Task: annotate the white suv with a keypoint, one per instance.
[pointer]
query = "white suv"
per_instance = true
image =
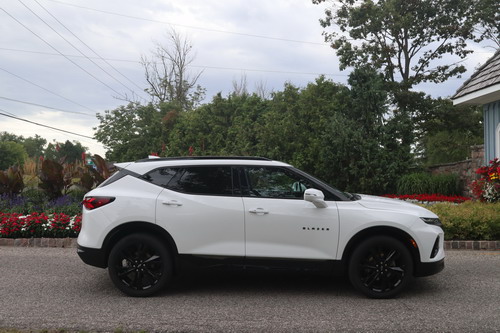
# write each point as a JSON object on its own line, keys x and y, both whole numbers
{"x": 151, "y": 217}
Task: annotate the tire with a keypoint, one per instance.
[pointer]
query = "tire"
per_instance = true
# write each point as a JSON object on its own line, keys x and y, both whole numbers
{"x": 381, "y": 267}
{"x": 140, "y": 265}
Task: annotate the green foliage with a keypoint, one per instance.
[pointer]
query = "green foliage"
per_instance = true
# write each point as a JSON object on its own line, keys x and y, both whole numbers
{"x": 425, "y": 183}
{"x": 446, "y": 132}
{"x": 447, "y": 147}
{"x": 34, "y": 146}
{"x": 11, "y": 153}
{"x": 11, "y": 181}
{"x": 67, "y": 152}
{"x": 404, "y": 39}
{"x": 6, "y": 136}
{"x": 134, "y": 131}
{"x": 470, "y": 220}
{"x": 488, "y": 16}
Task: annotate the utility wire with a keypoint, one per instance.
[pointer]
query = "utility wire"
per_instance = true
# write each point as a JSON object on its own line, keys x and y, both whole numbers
{"x": 196, "y": 66}
{"x": 38, "y": 124}
{"x": 190, "y": 26}
{"x": 90, "y": 48}
{"x": 77, "y": 49}
{"x": 45, "y": 106}
{"x": 74, "y": 63}
{"x": 47, "y": 90}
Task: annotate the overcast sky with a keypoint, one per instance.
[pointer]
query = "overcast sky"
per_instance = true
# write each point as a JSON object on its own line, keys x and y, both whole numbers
{"x": 271, "y": 42}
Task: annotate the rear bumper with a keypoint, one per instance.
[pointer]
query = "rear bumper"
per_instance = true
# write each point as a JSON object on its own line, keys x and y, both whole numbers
{"x": 429, "y": 268}
{"x": 93, "y": 257}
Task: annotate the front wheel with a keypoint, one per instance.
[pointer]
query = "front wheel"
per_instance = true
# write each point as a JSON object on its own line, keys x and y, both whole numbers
{"x": 140, "y": 265}
{"x": 381, "y": 267}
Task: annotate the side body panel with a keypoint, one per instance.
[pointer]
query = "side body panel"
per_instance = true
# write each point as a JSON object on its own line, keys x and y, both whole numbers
{"x": 135, "y": 201}
{"x": 356, "y": 218}
{"x": 203, "y": 224}
{"x": 290, "y": 229}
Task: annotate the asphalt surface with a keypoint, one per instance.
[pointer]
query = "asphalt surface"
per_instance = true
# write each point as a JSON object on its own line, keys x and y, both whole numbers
{"x": 50, "y": 288}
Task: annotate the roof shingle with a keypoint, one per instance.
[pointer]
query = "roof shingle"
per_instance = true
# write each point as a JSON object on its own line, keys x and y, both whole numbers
{"x": 487, "y": 75}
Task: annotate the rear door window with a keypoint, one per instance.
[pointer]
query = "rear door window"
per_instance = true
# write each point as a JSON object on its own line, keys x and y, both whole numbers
{"x": 205, "y": 180}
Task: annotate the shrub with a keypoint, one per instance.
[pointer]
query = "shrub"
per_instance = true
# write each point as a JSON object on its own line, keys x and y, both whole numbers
{"x": 52, "y": 178}
{"x": 422, "y": 183}
{"x": 11, "y": 153}
{"x": 11, "y": 181}
{"x": 469, "y": 220}
{"x": 487, "y": 188}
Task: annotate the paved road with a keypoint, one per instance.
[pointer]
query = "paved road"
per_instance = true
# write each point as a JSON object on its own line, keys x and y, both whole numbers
{"x": 50, "y": 288}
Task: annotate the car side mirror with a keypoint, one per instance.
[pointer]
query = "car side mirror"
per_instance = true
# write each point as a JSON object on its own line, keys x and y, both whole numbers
{"x": 316, "y": 197}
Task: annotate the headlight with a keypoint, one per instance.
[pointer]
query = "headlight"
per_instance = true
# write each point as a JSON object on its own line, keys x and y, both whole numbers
{"x": 432, "y": 220}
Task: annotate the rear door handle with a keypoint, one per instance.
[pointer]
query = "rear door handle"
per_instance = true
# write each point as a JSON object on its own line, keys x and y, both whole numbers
{"x": 172, "y": 203}
{"x": 259, "y": 211}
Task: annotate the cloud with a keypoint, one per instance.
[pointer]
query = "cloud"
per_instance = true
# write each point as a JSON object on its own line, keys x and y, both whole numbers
{"x": 225, "y": 56}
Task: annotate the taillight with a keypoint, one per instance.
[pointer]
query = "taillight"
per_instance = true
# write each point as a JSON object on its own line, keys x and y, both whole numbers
{"x": 96, "y": 202}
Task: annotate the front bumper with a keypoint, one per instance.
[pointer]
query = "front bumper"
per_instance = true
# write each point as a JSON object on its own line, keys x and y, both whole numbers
{"x": 429, "y": 268}
{"x": 93, "y": 257}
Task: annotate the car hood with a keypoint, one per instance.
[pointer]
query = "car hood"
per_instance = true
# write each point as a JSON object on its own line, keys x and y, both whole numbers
{"x": 381, "y": 203}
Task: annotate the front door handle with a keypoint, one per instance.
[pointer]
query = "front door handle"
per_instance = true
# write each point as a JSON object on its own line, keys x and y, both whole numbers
{"x": 172, "y": 203}
{"x": 259, "y": 211}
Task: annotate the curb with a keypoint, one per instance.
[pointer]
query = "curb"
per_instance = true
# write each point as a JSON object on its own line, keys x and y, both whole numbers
{"x": 472, "y": 245}
{"x": 71, "y": 243}
{"x": 39, "y": 242}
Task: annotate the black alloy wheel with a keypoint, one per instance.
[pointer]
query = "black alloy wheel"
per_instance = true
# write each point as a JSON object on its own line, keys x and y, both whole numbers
{"x": 381, "y": 267}
{"x": 140, "y": 265}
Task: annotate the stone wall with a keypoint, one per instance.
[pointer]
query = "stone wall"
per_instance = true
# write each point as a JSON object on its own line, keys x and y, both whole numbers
{"x": 466, "y": 170}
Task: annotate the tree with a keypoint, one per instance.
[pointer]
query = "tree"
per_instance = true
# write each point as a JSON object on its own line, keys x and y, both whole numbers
{"x": 488, "y": 18}
{"x": 34, "y": 145}
{"x": 445, "y": 132}
{"x": 68, "y": 152}
{"x": 405, "y": 39}
{"x": 11, "y": 153}
{"x": 361, "y": 145}
{"x": 134, "y": 131}
{"x": 168, "y": 75}
{"x": 6, "y": 136}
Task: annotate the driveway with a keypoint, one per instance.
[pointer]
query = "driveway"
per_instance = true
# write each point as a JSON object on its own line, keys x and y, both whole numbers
{"x": 50, "y": 288}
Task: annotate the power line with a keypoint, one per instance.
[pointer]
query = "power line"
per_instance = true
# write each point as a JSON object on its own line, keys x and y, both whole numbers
{"x": 45, "y": 106}
{"x": 196, "y": 66}
{"x": 52, "y": 47}
{"x": 190, "y": 26}
{"x": 76, "y": 48}
{"x": 90, "y": 48}
{"x": 38, "y": 124}
{"x": 50, "y": 91}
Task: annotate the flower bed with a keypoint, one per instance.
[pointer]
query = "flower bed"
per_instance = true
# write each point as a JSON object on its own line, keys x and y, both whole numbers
{"x": 56, "y": 225}
{"x": 487, "y": 187}
{"x": 426, "y": 198}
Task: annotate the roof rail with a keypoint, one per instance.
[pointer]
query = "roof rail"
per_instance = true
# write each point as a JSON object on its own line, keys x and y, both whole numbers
{"x": 255, "y": 158}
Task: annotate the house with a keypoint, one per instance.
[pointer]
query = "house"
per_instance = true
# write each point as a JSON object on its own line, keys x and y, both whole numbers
{"x": 483, "y": 88}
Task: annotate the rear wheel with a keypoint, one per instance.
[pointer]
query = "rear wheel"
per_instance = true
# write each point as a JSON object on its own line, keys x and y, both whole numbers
{"x": 381, "y": 267}
{"x": 140, "y": 265}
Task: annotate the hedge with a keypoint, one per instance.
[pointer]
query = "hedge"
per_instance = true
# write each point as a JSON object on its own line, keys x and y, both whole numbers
{"x": 471, "y": 220}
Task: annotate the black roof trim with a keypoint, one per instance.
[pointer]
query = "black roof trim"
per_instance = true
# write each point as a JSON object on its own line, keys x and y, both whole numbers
{"x": 255, "y": 158}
